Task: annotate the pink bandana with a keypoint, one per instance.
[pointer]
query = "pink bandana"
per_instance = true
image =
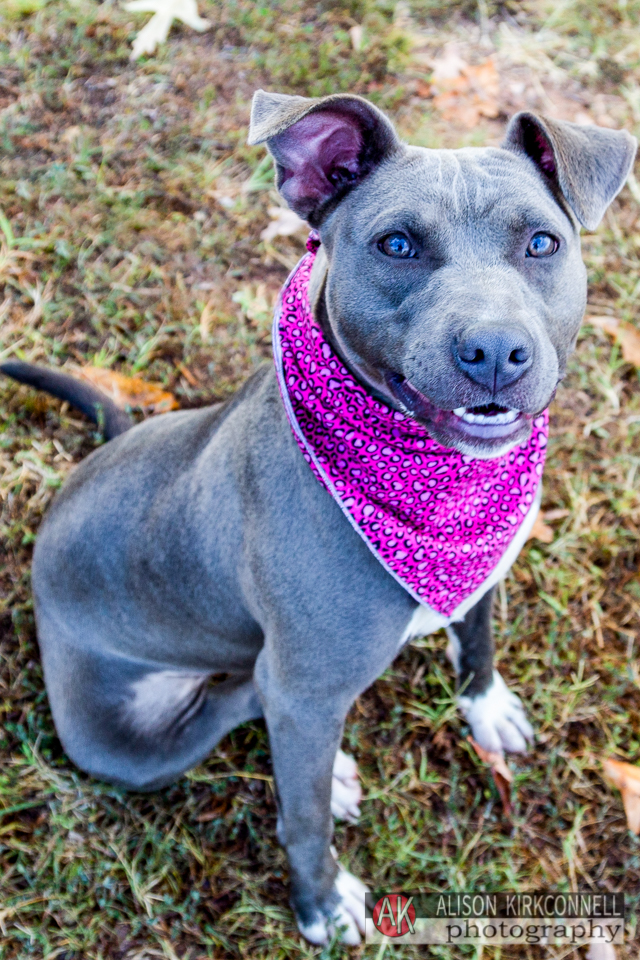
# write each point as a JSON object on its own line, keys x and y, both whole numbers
{"x": 437, "y": 520}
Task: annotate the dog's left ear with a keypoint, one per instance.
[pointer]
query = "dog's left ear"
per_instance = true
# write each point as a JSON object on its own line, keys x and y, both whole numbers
{"x": 322, "y": 147}
{"x": 586, "y": 166}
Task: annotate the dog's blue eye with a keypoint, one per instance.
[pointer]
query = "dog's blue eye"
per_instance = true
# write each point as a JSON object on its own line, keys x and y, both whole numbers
{"x": 542, "y": 245}
{"x": 397, "y": 245}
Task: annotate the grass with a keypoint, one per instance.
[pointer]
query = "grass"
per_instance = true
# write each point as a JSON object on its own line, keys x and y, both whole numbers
{"x": 130, "y": 227}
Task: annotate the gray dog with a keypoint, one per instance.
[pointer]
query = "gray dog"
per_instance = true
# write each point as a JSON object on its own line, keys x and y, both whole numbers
{"x": 451, "y": 284}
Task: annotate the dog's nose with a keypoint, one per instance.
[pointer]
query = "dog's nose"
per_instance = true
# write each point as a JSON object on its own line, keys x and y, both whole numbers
{"x": 494, "y": 357}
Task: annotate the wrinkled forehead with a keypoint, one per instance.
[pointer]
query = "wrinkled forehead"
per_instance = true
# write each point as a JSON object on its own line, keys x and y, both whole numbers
{"x": 472, "y": 184}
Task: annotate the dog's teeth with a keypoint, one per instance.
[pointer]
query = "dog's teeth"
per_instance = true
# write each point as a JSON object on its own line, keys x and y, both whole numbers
{"x": 507, "y": 417}
{"x": 497, "y": 419}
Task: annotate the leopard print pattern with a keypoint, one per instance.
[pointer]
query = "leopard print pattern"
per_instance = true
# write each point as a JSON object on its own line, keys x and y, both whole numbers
{"x": 438, "y": 520}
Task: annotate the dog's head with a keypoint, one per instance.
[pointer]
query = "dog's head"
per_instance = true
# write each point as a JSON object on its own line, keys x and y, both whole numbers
{"x": 450, "y": 281}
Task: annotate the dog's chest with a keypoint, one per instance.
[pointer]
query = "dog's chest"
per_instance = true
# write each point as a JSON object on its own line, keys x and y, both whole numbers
{"x": 425, "y": 620}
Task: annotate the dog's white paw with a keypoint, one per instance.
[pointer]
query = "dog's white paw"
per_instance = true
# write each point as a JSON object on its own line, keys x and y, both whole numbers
{"x": 348, "y": 916}
{"x": 346, "y": 792}
{"x": 497, "y": 718}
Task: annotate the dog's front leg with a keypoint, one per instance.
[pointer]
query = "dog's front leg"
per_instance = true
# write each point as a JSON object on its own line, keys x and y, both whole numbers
{"x": 496, "y": 716}
{"x": 305, "y": 728}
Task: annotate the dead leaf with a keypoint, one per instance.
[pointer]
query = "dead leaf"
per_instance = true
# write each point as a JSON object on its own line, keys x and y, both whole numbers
{"x": 186, "y": 373}
{"x": 356, "y": 33}
{"x": 502, "y": 775}
{"x": 216, "y": 812}
{"x": 601, "y": 951}
{"x": 442, "y": 738}
{"x": 70, "y": 134}
{"x": 625, "y": 334}
{"x": 464, "y": 92}
{"x": 626, "y": 777}
{"x": 558, "y": 514}
{"x": 205, "y": 320}
{"x": 284, "y": 223}
{"x": 485, "y": 81}
{"x": 130, "y": 391}
{"x": 449, "y": 66}
{"x": 540, "y": 530}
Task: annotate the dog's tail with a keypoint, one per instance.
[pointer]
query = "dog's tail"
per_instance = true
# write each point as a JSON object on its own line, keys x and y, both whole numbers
{"x": 92, "y": 402}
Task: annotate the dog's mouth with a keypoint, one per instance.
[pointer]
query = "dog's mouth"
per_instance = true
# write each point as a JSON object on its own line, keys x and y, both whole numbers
{"x": 488, "y": 426}
{"x": 488, "y": 415}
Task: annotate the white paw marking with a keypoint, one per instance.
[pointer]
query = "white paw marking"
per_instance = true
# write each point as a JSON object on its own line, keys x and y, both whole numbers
{"x": 453, "y": 650}
{"x": 348, "y": 915}
{"x": 346, "y": 792}
{"x": 497, "y": 718}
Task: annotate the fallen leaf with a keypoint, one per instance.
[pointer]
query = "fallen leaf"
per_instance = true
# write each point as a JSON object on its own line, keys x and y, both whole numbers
{"x": 130, "y": 391}
{"x": 464, "y": 92}
{"x": 186, "y": 373}
{"x": 157, "y": 29}
{"x": 357, "y": 34}
{"x": 284, "y": 223}
{"x": 601, "y": 951}
{"x": 558, "y": 514}
{"x": 540, "y": 530}
{"x": 442, "y": 738}
{"x": 502, "y": 775}
{"x": 71, "y": 134}
{"x": 626, "y": 777}
{"x": 626, "y": 335}
{"x": 450, "y": 66}
{"x": 205, "y": 320}
{"x": 217, "y": 811}
{"x": 485, "y": 82}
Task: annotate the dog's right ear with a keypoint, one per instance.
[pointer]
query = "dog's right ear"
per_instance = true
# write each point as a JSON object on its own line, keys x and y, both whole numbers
{"x": 322, "y": 147}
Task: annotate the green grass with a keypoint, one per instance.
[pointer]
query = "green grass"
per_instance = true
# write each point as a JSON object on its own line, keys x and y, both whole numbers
{"x": 130, "y": 203}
